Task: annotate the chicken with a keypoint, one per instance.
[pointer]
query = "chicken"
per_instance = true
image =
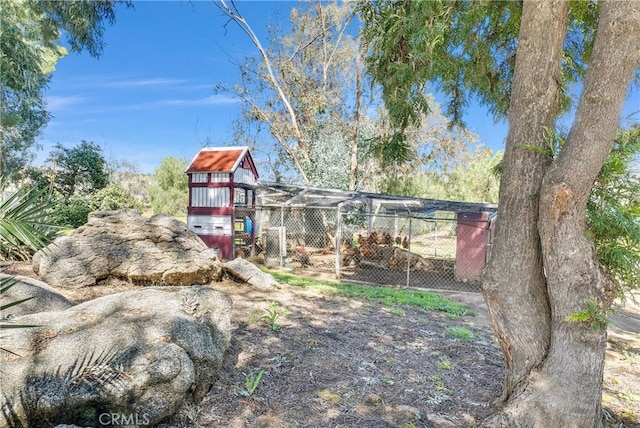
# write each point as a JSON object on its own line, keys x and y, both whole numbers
{"x": 387, "y": 238}
{"x": 405, "y": 242}
{"x": 302, "y": 257}
{"x": 353, "y": 254}
{"x": 398, "y": 240}
{"x": 373, "y": 238}
{"x": 393, "y": 262}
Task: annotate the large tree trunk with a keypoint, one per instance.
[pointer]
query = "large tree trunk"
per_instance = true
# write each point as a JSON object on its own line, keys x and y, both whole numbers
{"x": 514, "y": 284}
{"x": 564, "y": 387}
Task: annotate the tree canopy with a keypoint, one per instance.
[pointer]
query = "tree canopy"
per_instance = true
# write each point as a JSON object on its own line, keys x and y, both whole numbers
{"x": 30, "y": 45}
{"x": 79, "y": 170}
{"x": 306, "y": 90}
{"x": 170, "y": 194}
{"x": 465, "y": 49}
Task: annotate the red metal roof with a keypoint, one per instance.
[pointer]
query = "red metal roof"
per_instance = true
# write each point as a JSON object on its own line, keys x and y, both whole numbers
{"x": 217, "y": 159}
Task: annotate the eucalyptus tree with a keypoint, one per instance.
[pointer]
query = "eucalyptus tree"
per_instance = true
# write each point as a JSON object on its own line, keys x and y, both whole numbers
{"x": 307, "y": 89}
{"x": 545, "y": 288}
{"x": 30, "y": 46}
{"x": 170, "y": 194}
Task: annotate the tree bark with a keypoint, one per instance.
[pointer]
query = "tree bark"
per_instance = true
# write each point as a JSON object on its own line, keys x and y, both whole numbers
{"x": 514, "y": 286}
{"x": 575, "y": 363}
{"x": 353, "y": 149}
{"x": 564, "y": 387}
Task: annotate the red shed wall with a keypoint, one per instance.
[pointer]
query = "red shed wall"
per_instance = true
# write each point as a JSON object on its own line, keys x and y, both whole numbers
{"x": 472, "y": 234}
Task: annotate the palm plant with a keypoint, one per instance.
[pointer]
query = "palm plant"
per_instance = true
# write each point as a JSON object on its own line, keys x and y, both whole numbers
{"x": 25, "y": 223}
{"x": 24, "y": 229}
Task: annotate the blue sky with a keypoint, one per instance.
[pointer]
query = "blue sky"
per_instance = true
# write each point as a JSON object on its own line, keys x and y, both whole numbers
{"x": 151, "y": 93}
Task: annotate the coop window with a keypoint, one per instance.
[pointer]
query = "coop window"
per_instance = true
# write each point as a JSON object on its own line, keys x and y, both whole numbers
{"x": 240, "y": 197}
{"x": 204, "y": 197}
{"x": 219, "y": 177}
{"x": 200, "y": 177}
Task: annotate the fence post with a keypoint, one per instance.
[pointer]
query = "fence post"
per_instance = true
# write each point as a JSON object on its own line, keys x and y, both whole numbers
{"x": 338, "y": 243}
{"x": 409, "y": 256}
{"x": 487, "y": 247}
{"x": 282, "y": 242}
{"x": 435, "y": 239}
{"x": 233, "y": 232}
{"x": 370, "y": 216}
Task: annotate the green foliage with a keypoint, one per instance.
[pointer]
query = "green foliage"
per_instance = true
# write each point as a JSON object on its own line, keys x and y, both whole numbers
{"x": 593, "y": 315}
{"x": 305, "y": 91}
{"x": 115, "y": 197}
{"x": 80, "y": 170}
{"x": 171, "y": 202}
{"x": 171, "y": 174}
{"x": 462, "y": 333}
{"x": 273, "y": 313}
{"x": 169, "y": 195}
{"x": 395, "y": 184}
{"x": 74, "y": 211}
{"x": 251, "y": 381}
{"x": 467, "y": 176}
{"x": 613, "y": 211}
{"x": 472, "y": 179}
{"x": 465, "y": 48}
{"x": 79, "y": 182}
{"x": 29, "y": 49}
{"x": 26, "y": 223}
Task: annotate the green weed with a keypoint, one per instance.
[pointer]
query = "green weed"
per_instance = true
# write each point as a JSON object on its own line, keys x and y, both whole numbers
{"x": 273, "y": 313}
{"x": 462, "y": 333}
{"x": 446, "y": 364}
{"x": 593, "y": 315}
{"x": 252, "y": 381}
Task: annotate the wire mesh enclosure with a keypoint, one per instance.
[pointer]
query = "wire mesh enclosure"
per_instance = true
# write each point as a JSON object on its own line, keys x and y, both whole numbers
{"x": 434, "y": 249}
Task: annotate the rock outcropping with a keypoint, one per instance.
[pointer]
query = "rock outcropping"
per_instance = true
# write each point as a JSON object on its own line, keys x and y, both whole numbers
{"x": 248, "y": 272}
{"x": 40, "y": 297}
{"x": 141, "y": 353}
{"x": 159, "y": 250}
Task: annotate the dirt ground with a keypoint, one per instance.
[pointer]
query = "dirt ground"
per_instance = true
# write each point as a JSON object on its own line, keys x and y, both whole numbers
{"x": 332, "y": 361}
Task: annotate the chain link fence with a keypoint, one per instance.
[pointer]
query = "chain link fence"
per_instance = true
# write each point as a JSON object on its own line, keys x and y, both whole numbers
{"x": 443, "y": 250}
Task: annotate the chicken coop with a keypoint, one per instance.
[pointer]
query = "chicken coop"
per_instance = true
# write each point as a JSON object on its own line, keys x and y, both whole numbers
{"x": 222, "y": 198}
{"x": 372, "y": 238}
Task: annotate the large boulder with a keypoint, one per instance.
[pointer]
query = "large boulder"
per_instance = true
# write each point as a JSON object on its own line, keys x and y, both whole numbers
{"x": 159, "y": 250}
{"x": 41, "y": 296}
{"x": 140, "y": 353}
{"x": 248, "y": 272}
